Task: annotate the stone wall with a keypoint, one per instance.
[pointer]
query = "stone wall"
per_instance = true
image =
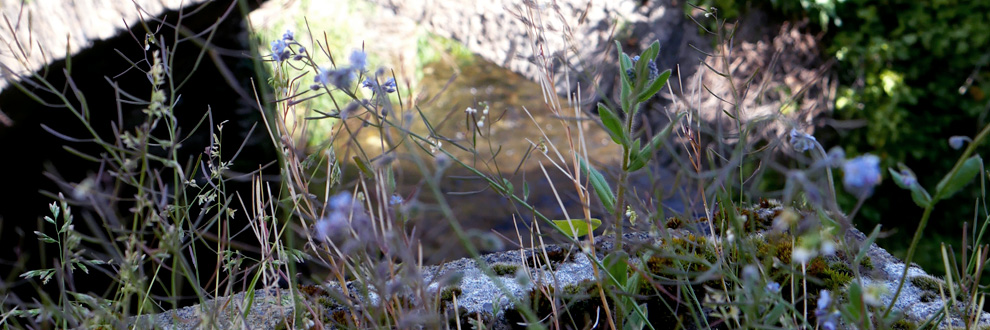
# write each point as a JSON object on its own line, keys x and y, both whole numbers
{"x": 45, "y": 29}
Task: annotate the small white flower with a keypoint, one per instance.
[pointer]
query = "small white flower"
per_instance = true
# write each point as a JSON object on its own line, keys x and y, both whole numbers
{"x": 435, "y": 145}
{"x": 481, "y": 123}
{"x": 872, "y": 294}
{"x": 470, "y": 111}
{"x": 828, "y": 248}
{"x": 802, "y": 255}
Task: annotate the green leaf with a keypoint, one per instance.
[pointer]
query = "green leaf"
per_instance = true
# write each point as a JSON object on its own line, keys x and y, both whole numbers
{"x": 624, "y": 61}
{"x": 955, "y": 181}
{"x": 635, "y": 321}
{"x": 577, "y": 227}
{"x": 856, "y": 301}
{"x": 363, "y": 167}
{"x": 612, "y": 124}
{"x": 636, "y": 162}
{"x": 651, "y": 52}
{"x": 654, "y": 87}
{"x": 600, "y": 186}
{"x": 866, "y": 245}
{"x": 616, "y": 264}
{"x": 525, "y": 191}
{"x": 918, "y": 193}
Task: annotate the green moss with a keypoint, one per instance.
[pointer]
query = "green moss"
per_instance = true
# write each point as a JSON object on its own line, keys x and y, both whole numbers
{"x": 926, "y": 283}
{"x": 834, "y": 275}
{"x": 754, "y": 218}
{"x": 691, "y": 254}
{"x": 501, "y": 269}
{"x": 903, "y": 324}
{"x": 866, "y": 263}
{"x": 777, "y": 245}
{"x": 447, "y": 295}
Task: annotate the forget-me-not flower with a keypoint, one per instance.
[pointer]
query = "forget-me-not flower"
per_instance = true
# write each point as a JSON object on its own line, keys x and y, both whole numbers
{"x": 280, "y": 50}
{"x": 861, "y": 174}
{"x": 824, "y": 299}
{"x": 802, "y": 141}
{"x": 652, "y": 66}
{"x": 359, "y": 60}
{"x": 387, "y": 87}
{"x": 957, "y": 142}
{"x": 341, "y": 78}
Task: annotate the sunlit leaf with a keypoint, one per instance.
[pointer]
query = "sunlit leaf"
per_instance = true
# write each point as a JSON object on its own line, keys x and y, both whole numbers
{"x": 577, "y": 227}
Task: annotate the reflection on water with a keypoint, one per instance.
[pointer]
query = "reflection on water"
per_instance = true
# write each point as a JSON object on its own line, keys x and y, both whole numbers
{"x": 505, "y": 143}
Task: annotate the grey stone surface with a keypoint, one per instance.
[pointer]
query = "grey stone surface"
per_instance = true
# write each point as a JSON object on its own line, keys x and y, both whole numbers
{"x": 46, "y": 29}
{"x": 267, "y": 309}
{"x": 488, "y": 296}
{"x": 573, "y": 37}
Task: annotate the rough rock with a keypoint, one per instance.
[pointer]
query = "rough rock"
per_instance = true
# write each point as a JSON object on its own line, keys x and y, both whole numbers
{"x": 48, "y": 28}
{"x": 481, "y": 294}
{"x": 266, "y": 310}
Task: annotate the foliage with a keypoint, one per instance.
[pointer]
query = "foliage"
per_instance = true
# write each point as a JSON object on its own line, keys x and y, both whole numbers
{"x": 751, "y": 267}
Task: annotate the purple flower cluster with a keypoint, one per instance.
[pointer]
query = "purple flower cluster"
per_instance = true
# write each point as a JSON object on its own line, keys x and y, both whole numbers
{"x": 652, "y": 66}
{"x": 861, "y": 174}
{"x": 825, "y": 318}
{"x": 280, "y": 48}
{"x": 343, "y": 215}
{"x": 802, "y": 141}
{"x": 387, "y": 87}
{"x": 344, "y": 76}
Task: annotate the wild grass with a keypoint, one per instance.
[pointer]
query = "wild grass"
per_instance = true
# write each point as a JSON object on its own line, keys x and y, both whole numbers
{"x": 152, "y": 211}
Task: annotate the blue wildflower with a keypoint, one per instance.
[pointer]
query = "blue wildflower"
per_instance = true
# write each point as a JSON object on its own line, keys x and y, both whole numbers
{"x": 331, "y": 226}
{"x": 652, "y": 66}
{"x": 387, "y": 87}
{"x": 836, "y": 157}
{"x": 288, "y": 35}
{"x": 280, "y": 50}
{"x": 824, "y": 299}
{"x": 359, "y": 60}
{"x": 957, "y": 142}
{"x": 802, "y": 141}
{"x": 773, "y": 287}
{"x": 395, "y": 200}
{"x": 908, "y": 179}
{"x": 861, "y": 174}
{"x": 341, "y": 201}
{"x": 829, "y": 324}
{"x": 340, "y": 78}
